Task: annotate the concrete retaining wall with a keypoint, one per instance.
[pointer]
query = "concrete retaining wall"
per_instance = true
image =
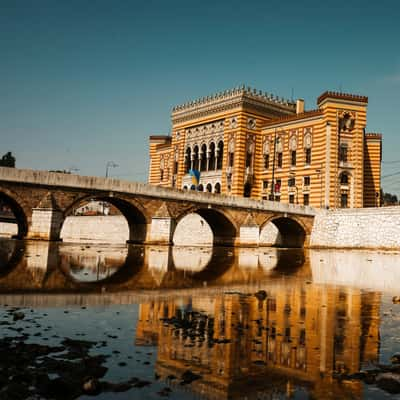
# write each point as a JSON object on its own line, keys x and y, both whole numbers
{"x": 193, "y": 230}
{"x": 373, "y": 228}
{"x": 105, "y": 229}
{"x": 8, "y": 229}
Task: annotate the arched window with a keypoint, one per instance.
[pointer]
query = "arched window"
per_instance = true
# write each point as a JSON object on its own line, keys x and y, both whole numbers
{"x": 211, "y": 157}
{"x": 203, "y": 158}
{"x": 200, "y": 188}
{"x": 308, "y": 156}
{"x": 344, "y": 178}
{"x": 209, "y": 188}
{"x": 220, "y": 154}
{"x": 266, "y": 149}
{"x": 217, "y": 188}
{"x": 279, "y": 151}
{"x": 185, "y": 188}
{"x": 188, "y": 160}
{"x": 279, "y": 160}
{"x": 196, "y": 158}
{"x": 162, "y": 166}
{"x": 307, "y": 147}
{"x": 231, "y": 156}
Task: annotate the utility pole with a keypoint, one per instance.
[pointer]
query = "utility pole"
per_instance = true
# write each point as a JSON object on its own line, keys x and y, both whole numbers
{"x": 272, "y": 195}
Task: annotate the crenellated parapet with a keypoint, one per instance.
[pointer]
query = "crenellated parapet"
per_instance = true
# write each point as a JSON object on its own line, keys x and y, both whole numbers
{"x": 242, "y": 96}
{"x": 342, "y": 96}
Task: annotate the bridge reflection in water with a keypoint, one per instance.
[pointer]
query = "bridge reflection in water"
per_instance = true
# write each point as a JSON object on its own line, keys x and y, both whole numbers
{"x": 56, "y": 267}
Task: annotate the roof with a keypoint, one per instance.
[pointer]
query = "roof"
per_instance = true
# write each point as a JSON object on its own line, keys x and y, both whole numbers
{"x": 342, "y": 96}
{"x": 294, "y": 117}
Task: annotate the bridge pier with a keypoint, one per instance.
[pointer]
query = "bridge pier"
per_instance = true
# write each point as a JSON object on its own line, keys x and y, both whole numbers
{"x": 45, "y": 224}
{"x": 162, "y": 227}
{"x": 249, "y": 234}
{"x": 46, "y": 220}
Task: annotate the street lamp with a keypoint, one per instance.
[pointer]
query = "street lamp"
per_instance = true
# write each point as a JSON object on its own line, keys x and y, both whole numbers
{"x": 110, "y": 164}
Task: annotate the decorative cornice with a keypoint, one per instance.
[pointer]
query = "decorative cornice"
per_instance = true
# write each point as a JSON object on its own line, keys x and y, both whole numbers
{"x": 371, "y": 135}
{"x": 342, "y": 96}
{"x": 160, "y": 140}
{"x": 229, "y": 99}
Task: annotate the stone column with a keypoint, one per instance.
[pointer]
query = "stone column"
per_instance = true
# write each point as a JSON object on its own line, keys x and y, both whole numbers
{"x": 47, "y": 220}
{"x": 162, "y": 227}
{"x": 249, "y": 232}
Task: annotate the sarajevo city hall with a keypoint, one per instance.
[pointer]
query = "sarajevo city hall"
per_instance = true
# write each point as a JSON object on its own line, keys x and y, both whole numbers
{"x": 248, "y": 143}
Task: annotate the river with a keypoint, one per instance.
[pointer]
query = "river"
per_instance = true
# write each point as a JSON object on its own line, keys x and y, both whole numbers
{"x": 148, "y": 322}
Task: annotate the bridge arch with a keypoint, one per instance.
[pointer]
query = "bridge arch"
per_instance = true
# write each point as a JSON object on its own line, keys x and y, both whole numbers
{"x": 290, "y": 231}
{"x": 18, "y": 208}
{"x": 133, "y": 212}
{"x": 221, "y": 225}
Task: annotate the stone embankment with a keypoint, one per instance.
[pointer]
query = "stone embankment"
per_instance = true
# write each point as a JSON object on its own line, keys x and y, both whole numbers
{"x": 357, "y": 228}
{"x": 367, "y": 228}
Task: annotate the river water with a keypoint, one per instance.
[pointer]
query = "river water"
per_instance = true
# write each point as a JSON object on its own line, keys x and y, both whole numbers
{"x": 141, "y": 322}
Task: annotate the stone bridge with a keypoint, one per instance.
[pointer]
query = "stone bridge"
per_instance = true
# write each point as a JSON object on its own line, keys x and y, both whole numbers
{"x": 42, "y": 200}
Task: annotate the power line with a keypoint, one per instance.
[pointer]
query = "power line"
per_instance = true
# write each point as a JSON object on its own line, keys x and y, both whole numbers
{"x": 388, "y": 176}
{"x": 391, "y": 162}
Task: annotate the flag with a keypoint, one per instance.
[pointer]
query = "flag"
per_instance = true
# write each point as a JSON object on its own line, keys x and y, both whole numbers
{"x": 195, "y": 176}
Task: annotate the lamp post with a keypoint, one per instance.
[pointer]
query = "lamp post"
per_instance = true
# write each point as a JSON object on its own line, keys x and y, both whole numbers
{"x": 110, "y": 164}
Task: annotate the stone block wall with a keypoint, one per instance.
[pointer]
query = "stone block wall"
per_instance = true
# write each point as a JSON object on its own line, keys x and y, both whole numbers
{"x": 193, "y": 230}
{"x": 105, "y": 229}
{"x": 8, "y": 229}
{"x": 374, "y": 228}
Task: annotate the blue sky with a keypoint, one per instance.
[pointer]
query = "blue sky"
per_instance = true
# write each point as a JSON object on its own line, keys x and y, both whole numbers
{"x": 85, "y": 82}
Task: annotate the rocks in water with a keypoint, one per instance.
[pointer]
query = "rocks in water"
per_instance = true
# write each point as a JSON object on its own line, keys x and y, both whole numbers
{"x": 396, "y": 300}
{"x": 91, "y": 386}
{"x": 18, "y": 315}
{"x": 165, "y": 392}
{"x": 261, "y": 295}
{"x": 389, "y": 382}
{"x": 188, "y": 377}
{"x": 395, "y": 359}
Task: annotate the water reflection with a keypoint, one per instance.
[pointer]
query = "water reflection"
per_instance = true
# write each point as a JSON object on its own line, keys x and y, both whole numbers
{"x": 91, "y": 264}
{"x": 252, "y": 323}
{"x": 247, "y": 345}
{"x": 35, "y": 265}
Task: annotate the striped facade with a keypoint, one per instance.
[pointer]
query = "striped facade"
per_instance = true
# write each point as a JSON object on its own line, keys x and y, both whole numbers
{"x": 248, "y": 143}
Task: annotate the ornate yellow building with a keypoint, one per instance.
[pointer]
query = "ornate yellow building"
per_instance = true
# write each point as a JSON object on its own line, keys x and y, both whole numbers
{"x": 248, "y": 143}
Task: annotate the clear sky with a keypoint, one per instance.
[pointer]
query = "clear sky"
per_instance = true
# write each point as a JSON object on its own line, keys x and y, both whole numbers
{"x": 85, "y": 82}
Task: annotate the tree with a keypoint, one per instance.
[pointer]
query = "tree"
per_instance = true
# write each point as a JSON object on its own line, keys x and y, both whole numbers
{"x": 8, "y": 160}
{"x": 388, "y": 199}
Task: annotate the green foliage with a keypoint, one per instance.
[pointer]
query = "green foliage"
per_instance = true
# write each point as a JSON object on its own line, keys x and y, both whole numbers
{"x": 389, "y": 199}
{"x": 8, "y": 160}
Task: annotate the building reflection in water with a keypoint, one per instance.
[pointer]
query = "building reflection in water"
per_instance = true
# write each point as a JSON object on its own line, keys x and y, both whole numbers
{"x": 241, "y": 345}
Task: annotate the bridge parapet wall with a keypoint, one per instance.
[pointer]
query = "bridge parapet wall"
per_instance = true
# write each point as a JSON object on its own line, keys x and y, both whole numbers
{"x": 95, "y": 184}
{"x": 372, "y": 228}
